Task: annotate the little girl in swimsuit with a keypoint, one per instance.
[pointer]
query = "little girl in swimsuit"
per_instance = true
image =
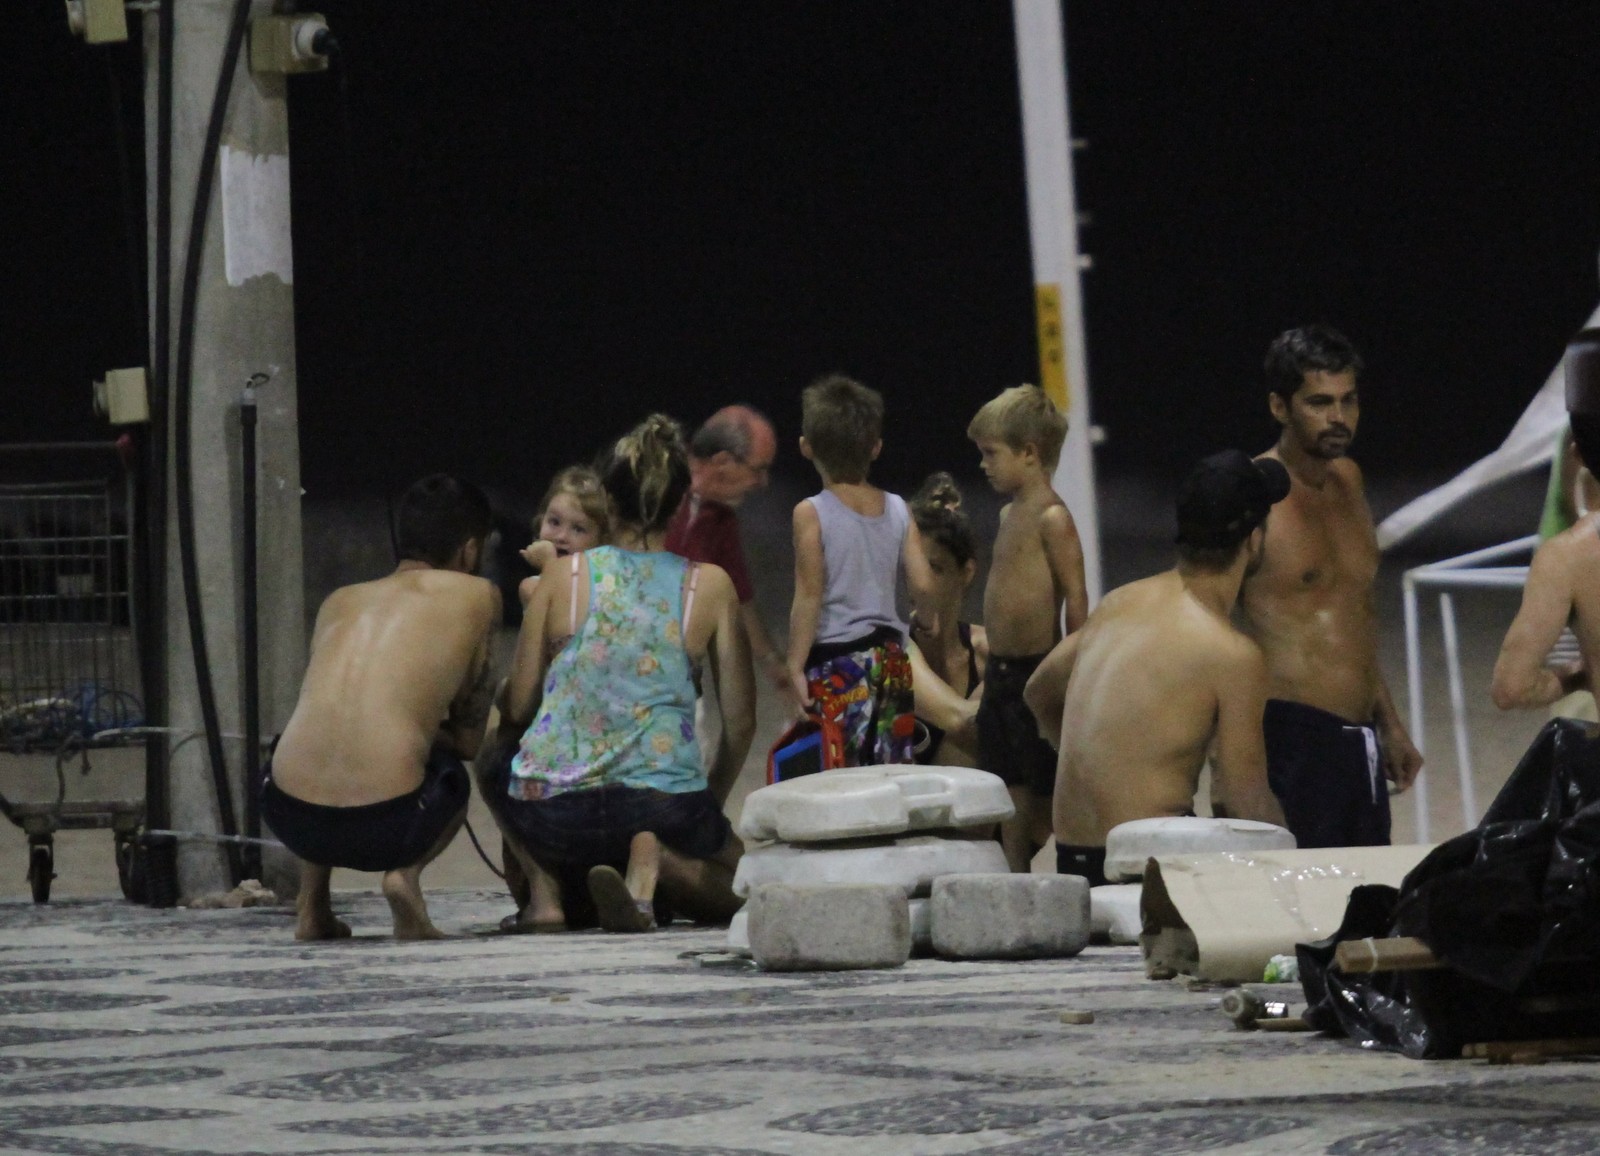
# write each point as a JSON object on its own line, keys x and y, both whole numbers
{"x": 956, "y": 655}
{"x": 575, "y": 515}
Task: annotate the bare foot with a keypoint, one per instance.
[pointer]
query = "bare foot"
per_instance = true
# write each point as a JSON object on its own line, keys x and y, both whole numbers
{"x": 526, "y": 922}
{"x": 410, "y": 911}
{"x": 320, "y": 925}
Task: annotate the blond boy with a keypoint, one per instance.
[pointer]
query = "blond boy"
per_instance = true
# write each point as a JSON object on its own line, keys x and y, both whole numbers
{"x": 1036, "y": 570}
{"x": 847, "y": 653}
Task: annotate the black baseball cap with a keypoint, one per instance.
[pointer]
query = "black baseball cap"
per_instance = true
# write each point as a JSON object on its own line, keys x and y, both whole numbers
{"x": 1582, "y": 368}
{"x": 1227, "y": 496}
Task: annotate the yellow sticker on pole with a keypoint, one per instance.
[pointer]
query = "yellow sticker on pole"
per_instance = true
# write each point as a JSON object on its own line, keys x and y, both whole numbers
{"x": 1052, "y": 346}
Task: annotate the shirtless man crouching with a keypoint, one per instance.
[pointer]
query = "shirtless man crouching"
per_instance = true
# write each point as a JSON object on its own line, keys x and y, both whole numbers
{"x": 368, "y": 773}
{"x": 1332, "y": 732}
{"x": 1563, "y": 583}
{"x": 1158, "y": 678}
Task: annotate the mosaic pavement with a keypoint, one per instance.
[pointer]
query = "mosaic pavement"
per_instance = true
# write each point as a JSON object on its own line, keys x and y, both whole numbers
{"x": 130, "y": 1032}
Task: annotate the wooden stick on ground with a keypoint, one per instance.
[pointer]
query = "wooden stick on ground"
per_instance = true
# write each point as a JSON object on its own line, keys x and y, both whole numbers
{"x": 1362, "y": 956}
{"x": 1502, "y": 1050}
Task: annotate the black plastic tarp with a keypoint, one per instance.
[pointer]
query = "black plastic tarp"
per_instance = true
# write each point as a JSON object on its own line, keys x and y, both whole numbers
{"x": 1511, "y": 907}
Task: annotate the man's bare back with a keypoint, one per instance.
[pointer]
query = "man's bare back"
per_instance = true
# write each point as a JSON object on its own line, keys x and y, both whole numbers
{"x": 1310, "y": 605}
{"x": 1157, "y": 680}
{"x": 391, "y": 662}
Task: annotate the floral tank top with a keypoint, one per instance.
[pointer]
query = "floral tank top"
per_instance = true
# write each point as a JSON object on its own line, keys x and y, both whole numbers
{"x": 618, "y": 707}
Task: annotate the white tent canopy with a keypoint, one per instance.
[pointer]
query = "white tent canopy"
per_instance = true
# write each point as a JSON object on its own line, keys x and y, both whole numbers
{"x": 1531, "y": 443}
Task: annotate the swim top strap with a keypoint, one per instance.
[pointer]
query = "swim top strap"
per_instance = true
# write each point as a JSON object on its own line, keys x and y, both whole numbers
{"x": 688, "y": 599}
{"x": 572, "y": 598}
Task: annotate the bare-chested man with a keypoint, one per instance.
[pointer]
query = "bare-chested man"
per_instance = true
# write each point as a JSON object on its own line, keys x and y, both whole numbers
{"x": 1332, "y": 731}
{"x": 1158, "y": 678}
{"x": 368, "y": 773}
{"x": 1562, "y": 586}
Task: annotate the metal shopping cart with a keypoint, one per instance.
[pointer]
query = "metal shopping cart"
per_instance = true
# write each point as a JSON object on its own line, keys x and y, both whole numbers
{"x": 69, "y": 669}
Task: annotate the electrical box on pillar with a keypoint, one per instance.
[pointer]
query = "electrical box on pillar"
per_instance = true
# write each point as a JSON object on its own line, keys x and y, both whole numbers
{"x": 280, "y": 45}
{"x": 98, "y": 21}
{"x": 123, "y": 397}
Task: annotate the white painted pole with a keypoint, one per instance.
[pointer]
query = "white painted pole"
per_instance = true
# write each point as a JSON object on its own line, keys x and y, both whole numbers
{"x": 1458, "y": 713}
{"x": 1419, "y": 790}
{"x": 1053, "y": 229}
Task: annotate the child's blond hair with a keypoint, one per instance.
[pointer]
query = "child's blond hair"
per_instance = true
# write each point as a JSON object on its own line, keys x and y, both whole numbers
{"x": 842, "y": 422}
{"x": 1022, "y": 416}
{"x": 583, "y": 485}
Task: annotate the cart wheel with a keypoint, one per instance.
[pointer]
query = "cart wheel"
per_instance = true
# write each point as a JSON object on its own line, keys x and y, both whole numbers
{"x": 125, "y": 869}
{"x": 41, "y": 870}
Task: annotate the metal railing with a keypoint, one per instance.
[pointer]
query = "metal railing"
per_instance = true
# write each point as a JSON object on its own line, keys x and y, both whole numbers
{"x": 1463, "y": 572}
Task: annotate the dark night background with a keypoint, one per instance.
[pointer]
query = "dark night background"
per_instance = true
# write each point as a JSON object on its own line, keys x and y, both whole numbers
{"x": 527, "y": 224}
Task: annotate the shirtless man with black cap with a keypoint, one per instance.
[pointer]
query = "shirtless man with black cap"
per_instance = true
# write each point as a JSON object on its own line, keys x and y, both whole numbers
{"x": 368, "y": 773}
{"x": 1562, "y": 587}
{"x": 1158, "y": 679}
{"x": 1332, "y": 732}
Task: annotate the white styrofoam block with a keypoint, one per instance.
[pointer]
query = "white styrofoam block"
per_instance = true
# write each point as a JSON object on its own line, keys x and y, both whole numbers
{"x": 866, "y": 801}
{"x": 829, "y": 928}
{"x": 1114, "y": 912}
{"x": 910, "y": 861}
{"x": 1010, "y": 916}
{"x": 1129, "y": 846}
{"x": 739, "y": 931}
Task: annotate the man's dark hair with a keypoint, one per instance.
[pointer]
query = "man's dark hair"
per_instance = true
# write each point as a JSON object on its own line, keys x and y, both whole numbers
{"x": 439, "y": 515}
{"x": 1209, "y": 559}
{"x": 1586, "y": 436}
{"x": 1307, "y": 350}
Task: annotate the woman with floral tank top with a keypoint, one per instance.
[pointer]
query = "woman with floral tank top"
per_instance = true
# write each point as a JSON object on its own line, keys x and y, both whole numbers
{"x": 606, "y": 790}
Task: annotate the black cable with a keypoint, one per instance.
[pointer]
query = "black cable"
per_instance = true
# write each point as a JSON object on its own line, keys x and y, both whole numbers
{"x": 473, "y": 835}
{"x": 183, "y": 382}
{"x": 250, "y": 634}
{"x": 158, "y": 864}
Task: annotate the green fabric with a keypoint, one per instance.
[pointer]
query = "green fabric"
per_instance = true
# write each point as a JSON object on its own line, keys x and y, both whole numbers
{"x": 1554, "y": 520}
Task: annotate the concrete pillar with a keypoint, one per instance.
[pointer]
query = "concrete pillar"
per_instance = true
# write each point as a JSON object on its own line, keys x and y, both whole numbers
{"x": 244, "y": 325}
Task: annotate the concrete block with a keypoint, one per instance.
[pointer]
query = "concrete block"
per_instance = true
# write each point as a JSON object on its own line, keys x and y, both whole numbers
{"x": 912, "y": 862}
{"x": 864, "y": 801}
{"x": 798, "y": 927}
{"x": 1114, "y": 912}
{"x": 1129, "y": 846}
{"x": 1010, "y": 916}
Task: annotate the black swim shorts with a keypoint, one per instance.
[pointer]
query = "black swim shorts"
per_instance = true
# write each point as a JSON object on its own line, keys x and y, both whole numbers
{"x": 1008, "y": 735}
{"x": 1090, "y": 862}
{"x": 1328, "y": 775}
{"x": 588, "y": 828}
{"x": 379, "y": 836}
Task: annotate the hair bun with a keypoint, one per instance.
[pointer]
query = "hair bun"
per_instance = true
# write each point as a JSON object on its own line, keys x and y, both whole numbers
{"x": 940, "y": 492}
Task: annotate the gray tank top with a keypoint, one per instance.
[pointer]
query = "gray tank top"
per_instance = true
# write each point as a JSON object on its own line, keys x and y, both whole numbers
{"x": 861, "y": 567}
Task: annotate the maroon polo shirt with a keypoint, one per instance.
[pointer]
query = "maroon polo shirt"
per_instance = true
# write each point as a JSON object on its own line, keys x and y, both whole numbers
{"x": 706, "y": 531}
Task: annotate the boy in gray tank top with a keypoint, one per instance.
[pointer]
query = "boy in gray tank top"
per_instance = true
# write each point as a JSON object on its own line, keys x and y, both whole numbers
{"x": 847, "y": 652}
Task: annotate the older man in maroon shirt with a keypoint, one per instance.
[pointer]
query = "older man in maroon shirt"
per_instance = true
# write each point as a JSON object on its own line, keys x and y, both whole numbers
{"x": 729, "y": 456}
